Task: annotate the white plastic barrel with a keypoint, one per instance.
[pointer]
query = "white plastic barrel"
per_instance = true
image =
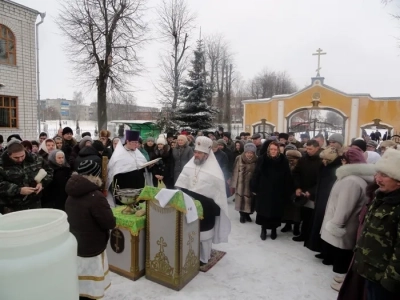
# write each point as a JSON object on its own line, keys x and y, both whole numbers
{"x": 38, "y": 256}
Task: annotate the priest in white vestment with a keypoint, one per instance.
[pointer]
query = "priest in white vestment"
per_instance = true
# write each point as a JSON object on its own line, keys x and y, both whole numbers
{"x": 202, "y": 179}
{"x": 125, "y": 166}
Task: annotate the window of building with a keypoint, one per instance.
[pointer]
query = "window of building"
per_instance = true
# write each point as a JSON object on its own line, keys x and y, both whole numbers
{"x": 7, "y": 46}
{"x": 8, "y": 111}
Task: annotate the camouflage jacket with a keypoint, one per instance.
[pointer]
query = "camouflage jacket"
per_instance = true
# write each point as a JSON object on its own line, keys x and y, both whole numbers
{"x": 377, "y": 253}
{"x": 14, "y": 176}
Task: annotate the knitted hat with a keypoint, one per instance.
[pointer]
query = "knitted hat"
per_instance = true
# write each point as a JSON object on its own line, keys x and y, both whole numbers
{"x": 84, "y": 140}
{"x": 98, "y": 145}
{"x": 355, "y": 155}
{"x": 203, "y": 144}
{"x": 150, "y": 139}
{"x": 372, "y": 143}
{"x": 67, "y": 130}
{"x": 336, "y": 137}
{"x": 290, "y": 147}
{"x": 389, "y": 164}
{"x": 221, "y": 142}
{"x": 250, "y": 147}
{"x": 89, "y": 167}
{"x": 293, "y": 154}
{"x": 330, "y": 154}
{"x": 161, "y": 140}
{"x": 360, "y": 144}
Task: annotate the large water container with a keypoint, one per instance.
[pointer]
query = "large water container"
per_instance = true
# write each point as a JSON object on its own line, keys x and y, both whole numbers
{"x": 38, "y": 256}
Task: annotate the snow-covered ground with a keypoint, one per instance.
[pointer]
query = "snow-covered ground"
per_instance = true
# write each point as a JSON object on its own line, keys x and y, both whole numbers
{"x": 251, "y": 269}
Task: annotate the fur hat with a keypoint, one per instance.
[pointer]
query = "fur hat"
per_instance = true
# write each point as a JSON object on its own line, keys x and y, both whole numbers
{"x": 336, "y": 137}
{"x": 86, "y": 133}
{"x": 360, "y": 143}
{"x": 290, "y": 147}
{"x": 105, "y": 133}
{"x": 161, "y": 140}
{"x": 84, "y": 140}
{"x": 98, "y": 145}
{"x": 389, "y": 164}
{"x": 283, "y": 136}
{"x": 14, "y": 136}
{"x": 388, "y": 144}
{"x": 203, "y": 144}
{"x": 330, "y": 154}
{"x": 293, "y": 154}
{"x": 13, "y": 141}
{"x": 67, "y": 130}
{"x": 250, "y": 147}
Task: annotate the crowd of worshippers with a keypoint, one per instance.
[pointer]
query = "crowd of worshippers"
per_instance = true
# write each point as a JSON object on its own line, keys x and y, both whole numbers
{"x": 341, "y": 201}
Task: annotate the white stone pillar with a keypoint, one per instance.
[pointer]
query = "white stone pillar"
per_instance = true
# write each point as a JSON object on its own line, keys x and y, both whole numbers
{"x": 355, "y": 104}
{"x": 281, "y": 116}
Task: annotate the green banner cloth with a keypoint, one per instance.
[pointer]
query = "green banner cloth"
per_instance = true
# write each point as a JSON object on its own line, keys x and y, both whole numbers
{"x": 130, "y": 222}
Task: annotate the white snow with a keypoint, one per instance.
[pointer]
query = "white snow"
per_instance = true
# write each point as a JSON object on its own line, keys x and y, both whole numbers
{"x": 251, "y": 269}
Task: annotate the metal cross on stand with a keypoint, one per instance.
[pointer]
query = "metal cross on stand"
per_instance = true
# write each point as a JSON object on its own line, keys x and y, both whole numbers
{"x": 319, "y": 53}
{"x": 162, "y": 244}
{"x": 117, "y": 237}
{"x": 191, "y": 239}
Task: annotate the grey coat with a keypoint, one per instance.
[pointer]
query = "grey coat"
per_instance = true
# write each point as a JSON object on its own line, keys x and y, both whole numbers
{"x": 180, "y": 157}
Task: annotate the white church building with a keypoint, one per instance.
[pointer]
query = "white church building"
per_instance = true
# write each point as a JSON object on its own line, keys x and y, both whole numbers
{"x": 18, "y": 85}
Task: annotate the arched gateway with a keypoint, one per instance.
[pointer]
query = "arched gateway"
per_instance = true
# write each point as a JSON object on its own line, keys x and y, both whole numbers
{"x": 319, "y": 108}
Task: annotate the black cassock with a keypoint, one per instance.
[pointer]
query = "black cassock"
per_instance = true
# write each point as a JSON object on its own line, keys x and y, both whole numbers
{"x": 210, "y": 210}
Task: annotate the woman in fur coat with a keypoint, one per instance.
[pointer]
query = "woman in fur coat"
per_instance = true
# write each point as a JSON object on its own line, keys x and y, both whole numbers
{"x": 347, "y": 197}
{"x": 272, "y": 186}
{"x": 243, "y": 170}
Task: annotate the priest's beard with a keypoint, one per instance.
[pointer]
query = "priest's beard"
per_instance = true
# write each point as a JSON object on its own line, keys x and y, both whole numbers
{"x": 199, "y": 161}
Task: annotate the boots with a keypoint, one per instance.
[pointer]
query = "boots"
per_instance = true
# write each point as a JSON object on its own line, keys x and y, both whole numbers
{"x": 299, "y": 238}
{"x": 242, "y": 218}
{"x": 248, "y": 219}
{"x": 296, "y": 229}
{"x": 287, "y": 227}
{"x": 263, "y": 234}
{"x": 273, "y": 234}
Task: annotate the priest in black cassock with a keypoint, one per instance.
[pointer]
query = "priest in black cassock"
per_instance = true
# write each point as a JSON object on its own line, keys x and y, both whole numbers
{"x": 124, "y": 168}
{"x": 203, "y": 180}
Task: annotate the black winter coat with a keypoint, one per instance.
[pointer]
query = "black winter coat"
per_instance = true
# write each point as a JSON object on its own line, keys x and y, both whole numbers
{"x": 326, "y": 180}
{"x": 87, "y": 153}
{"x": 222, "y": 160}
{"x": 305, "y": 174}
{"x": 273, "y": 185}
{"x": 89, "y": 214}
{"x": 54, "y": 195}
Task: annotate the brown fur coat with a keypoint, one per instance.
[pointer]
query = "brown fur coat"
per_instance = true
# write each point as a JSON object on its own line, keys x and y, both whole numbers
{"x": 242, "y": 173}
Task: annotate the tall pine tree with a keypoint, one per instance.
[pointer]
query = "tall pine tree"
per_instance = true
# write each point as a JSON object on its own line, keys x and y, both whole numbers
{"x": 194, "y": 112}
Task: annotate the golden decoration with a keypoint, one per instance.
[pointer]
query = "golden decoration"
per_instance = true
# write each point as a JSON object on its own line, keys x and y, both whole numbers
{"x": 191, "y": 261}
{"x": 160, "y": 263}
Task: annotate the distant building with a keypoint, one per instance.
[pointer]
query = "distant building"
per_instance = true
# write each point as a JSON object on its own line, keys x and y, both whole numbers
{"x": 18, "y": 93}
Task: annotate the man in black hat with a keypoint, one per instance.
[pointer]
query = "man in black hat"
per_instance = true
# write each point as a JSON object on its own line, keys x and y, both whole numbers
{"x": 125, "y": 167}
{"x": 283, "y": 138}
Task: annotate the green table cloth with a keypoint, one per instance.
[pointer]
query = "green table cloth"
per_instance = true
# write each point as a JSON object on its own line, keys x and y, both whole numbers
{"x": 177, "y": 202}
{"x": 130, "y": 222}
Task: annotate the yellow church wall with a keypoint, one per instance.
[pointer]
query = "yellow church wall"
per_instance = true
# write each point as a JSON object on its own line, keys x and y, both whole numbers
{"x": 264, "y": 110}
{"x": 385, "y": 110}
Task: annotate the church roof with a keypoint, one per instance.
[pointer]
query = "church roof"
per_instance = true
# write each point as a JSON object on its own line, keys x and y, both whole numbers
{"x": 321, "y": 79}
{"x": 22, "y": 6}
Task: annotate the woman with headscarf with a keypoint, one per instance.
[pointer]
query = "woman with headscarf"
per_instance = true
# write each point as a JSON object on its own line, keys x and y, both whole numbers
{"x": 347, "y": 197}
{"x": 46, "y": 147}
{"x": 239, "y": 149}
{"x": 272, "y": 186}
{"x": 114, "y": 144}
{"x": 243, "y": 169}
{"x": 55, "y": 195}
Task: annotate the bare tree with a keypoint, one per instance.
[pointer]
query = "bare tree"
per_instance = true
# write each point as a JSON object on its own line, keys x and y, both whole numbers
{"x": 270, "y": 83}
{"x": 175, "y": 25}
{"x": 103, "y": 39}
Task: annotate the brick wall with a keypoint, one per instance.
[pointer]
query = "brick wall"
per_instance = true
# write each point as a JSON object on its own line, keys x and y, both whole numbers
{"x": 20, "y": 79}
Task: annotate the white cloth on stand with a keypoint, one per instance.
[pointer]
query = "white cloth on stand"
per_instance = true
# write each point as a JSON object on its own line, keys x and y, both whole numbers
{"x": 165, "y": 195}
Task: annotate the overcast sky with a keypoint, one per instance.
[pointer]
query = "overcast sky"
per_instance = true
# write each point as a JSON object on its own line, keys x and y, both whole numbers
{"x": 360, "y": 37}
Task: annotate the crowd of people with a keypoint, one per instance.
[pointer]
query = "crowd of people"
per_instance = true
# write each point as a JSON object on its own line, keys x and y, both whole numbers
{"x": 342, "y": 202}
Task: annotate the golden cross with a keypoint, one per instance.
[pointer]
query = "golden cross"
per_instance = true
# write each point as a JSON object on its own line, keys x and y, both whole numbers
{"x": 319, "y": 53}
{"x": 162, "y": 244}
{"x": 117, "y": 237}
